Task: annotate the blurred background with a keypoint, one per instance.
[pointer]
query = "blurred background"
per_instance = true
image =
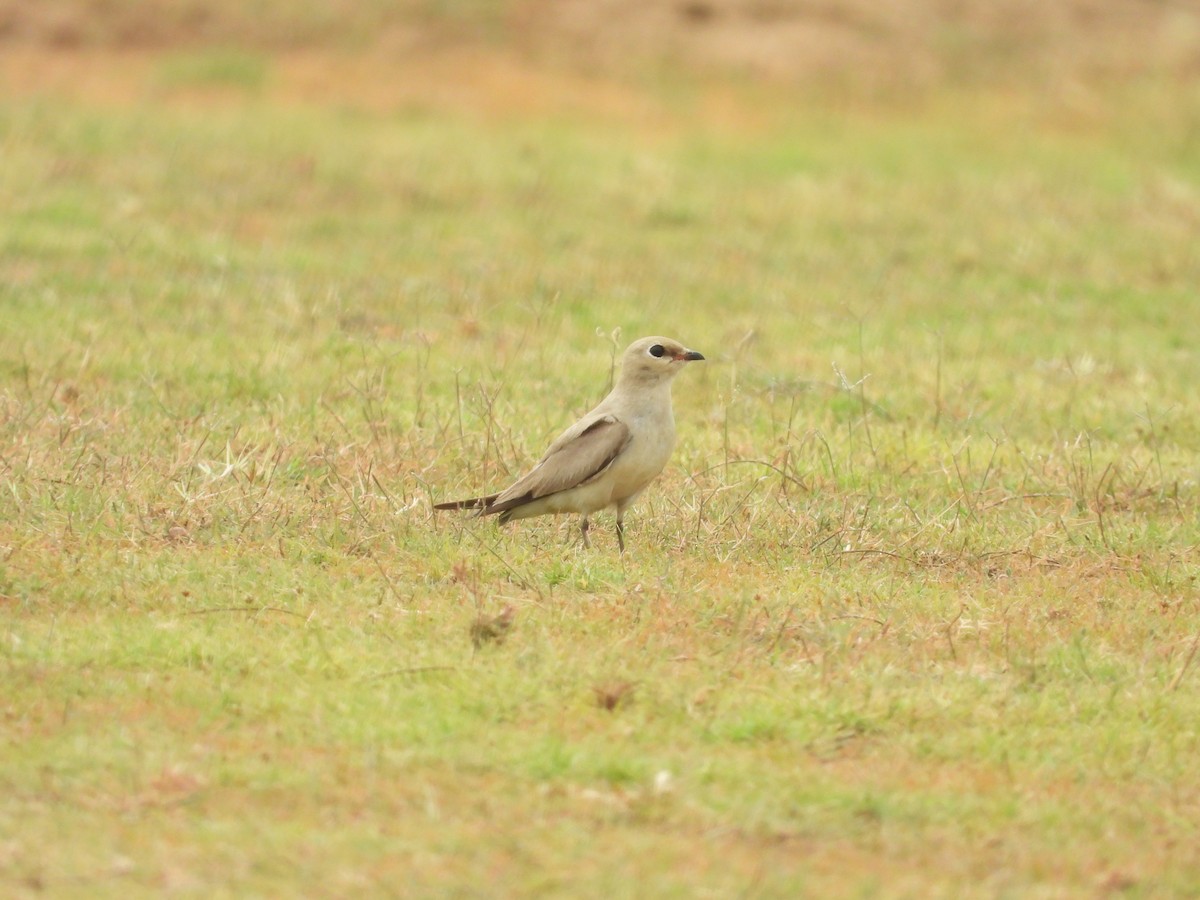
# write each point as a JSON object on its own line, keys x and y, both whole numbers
{"x": 276, "y": 274}
{"x": 856, "y": 46}
{"x": 1006, "y": 183}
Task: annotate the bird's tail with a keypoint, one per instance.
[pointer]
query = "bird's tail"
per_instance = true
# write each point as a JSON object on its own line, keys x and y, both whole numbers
{"x": 473, "y": 503}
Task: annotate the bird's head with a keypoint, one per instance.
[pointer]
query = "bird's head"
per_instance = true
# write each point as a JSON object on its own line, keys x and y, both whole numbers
{"x": 654, "y": 359}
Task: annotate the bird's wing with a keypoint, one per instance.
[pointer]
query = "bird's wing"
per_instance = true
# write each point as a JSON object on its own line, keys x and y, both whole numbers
{"x": 570, "y": 462}
{"x": 471, "y": 503}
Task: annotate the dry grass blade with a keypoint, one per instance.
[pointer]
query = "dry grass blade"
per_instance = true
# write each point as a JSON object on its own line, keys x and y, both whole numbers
{"x": 1187, "y": 662}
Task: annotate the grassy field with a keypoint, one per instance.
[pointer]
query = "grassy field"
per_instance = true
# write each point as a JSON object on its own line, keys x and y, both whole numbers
{"x": 913, "y": 611}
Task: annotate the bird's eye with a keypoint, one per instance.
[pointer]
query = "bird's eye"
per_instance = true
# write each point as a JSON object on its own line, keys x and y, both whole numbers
{"x": 657, "y": 350}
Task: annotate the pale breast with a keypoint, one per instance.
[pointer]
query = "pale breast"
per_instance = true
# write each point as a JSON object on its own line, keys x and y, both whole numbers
{"x": 649, "y": 449}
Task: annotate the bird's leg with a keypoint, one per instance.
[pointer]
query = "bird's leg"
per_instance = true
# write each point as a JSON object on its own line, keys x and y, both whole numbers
{"x": 583, "y": 528}
{"x": 621, "y": 531}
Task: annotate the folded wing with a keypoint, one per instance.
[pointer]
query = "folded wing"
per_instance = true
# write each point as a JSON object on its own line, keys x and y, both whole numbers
{"x": 569, "y": 463}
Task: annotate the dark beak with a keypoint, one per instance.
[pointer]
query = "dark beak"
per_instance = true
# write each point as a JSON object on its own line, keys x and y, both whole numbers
{"x": 692, "y": 356}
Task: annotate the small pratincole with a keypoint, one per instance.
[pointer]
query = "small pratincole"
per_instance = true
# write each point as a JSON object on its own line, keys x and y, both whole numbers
{"x": 609, "y": 456}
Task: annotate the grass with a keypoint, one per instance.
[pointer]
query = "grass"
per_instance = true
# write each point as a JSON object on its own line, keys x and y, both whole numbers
{"x": 913, "y": 612}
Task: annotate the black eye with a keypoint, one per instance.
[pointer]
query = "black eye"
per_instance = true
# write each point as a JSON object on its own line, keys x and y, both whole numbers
{"x": 657, "y": 350}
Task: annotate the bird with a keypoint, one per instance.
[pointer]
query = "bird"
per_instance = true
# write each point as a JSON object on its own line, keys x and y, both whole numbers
{"x": 610, "y": 455}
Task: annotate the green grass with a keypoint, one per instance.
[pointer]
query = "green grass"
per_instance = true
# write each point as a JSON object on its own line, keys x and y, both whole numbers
{"x": 912, "y": 612}
{"x": 224, "y": 68}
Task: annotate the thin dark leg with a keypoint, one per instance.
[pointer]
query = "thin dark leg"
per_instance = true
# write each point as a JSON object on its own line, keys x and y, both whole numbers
{"x": 621, "y": 533}
{"x": 583, "y": 528}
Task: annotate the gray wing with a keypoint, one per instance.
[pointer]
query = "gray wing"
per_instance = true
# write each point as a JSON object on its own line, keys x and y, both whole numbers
{"x": 567, "y": 464}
